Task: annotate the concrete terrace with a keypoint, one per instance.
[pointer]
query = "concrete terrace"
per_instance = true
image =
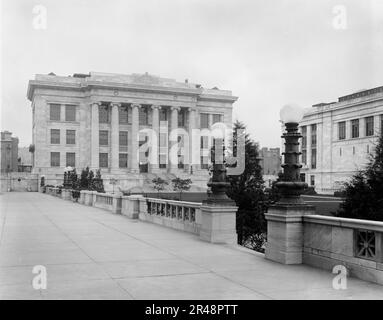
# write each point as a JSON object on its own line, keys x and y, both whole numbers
{"x": 90, "y": 253}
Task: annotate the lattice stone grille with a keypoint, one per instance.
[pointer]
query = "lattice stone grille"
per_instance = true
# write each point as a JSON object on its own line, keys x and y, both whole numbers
{"x": 365, "y": 244}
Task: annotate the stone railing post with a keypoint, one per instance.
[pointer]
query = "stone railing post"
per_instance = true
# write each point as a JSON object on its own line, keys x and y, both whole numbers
{"x": 131, "y": 206}
{"x": 66, "y": 194}
{"x": 82, "y": 197}
{"x": 285, "y": 232}
{"x": 142, "y": 207}
{"x": 218, "y": 223}
{"x": 94, "y": 197}
{"x": 116, "y": 203}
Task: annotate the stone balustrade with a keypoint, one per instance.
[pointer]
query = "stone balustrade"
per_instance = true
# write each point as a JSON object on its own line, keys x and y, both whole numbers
{"x": 180, "y": 215}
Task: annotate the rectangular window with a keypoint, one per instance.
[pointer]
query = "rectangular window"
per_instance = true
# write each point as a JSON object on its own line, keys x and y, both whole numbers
{"x": 312, "y": 181}
{"x": 70, "y": 113}
{"x": 313, "y": 158}
{"x": 71, "y": 137}
{"x": 55, "y": 111}
{"x": 313, "y": 135}
{"x": 217, "y": 118}
{"x": 369, "y": 126}
{"x": 103, "y": 114}
{"x": 342, "y": 130}
{"x": 304, "y": 137}
{"x": 55, "y": 159}
{"x": 355, "y": 128}
{"x": 123, "y": 140}
{"x": 55, "y": 136}
{"x": 103, "y": 138}
{"x": 204, "y": 120}
{"x": 143, "y": 116}
{"x": 103, "y": 159}
{"x": 123, "y": 115}
{"x": 162, "y": 161}
{"x": 70, "y": 159}
{"x": 304, "y": 156}
{"x": 123, "y": 160}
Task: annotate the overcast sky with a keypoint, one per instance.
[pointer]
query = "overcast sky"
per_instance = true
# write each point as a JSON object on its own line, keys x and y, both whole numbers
{"x": 268, "y": 52}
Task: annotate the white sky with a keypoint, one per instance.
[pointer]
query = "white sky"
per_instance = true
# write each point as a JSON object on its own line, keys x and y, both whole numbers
{"x": 268, "y": 52}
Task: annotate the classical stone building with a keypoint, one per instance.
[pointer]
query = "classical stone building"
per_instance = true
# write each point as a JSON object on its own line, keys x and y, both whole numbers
{"x": 338, "y": 138}
{"x": 9, "y": 152}
{"x": 99, "y": 120}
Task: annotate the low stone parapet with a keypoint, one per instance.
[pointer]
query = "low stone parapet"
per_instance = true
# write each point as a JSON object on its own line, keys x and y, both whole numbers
{"x": 354, "y": 243}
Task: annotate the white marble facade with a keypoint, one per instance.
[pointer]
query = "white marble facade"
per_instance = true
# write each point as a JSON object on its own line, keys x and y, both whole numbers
{"x": 129, "y": 104}
{"x": 346, "y": 132}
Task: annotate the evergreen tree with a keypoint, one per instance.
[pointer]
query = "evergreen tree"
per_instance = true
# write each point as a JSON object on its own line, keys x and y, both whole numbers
{"x": 84, "y": 182}
{"x": 98, "y": 184}
{"x": 90, "y": 180}
{"x": 247, "y": 190}
{"x": 364, "y": 192}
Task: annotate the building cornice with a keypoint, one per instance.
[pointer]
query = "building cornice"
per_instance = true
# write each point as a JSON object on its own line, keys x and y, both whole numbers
{"x": 113, "y": 86}
{"x": 341, "y": 105}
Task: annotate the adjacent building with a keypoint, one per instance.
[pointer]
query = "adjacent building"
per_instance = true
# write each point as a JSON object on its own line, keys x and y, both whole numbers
{"x": 99, "y": 120}
{"x": 9, "y": 152}
{"x": 270, "y": 162}
{"x": 24, "y": 160}
{"x": 338, "y": 138}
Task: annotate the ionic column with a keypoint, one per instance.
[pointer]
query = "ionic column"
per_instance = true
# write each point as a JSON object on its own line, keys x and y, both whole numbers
{"x": 154, "y": 156}
{"x": 134, "y": 139}
{"x": 94, "y": 152}
{"x": 114, "y": 136}
{"x": 173, "y": 165}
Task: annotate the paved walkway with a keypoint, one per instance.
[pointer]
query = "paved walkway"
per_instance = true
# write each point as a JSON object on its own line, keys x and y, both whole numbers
{"x": 90, "y": 253}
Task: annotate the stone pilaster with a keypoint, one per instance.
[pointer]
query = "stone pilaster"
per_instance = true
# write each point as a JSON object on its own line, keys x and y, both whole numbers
{"x": 154, "y": 156}
{"x": 94, "y": 163}
{"x": 173, "y": 163}
{"x": 114, "y": 136}
{"x": 134, "y": 139}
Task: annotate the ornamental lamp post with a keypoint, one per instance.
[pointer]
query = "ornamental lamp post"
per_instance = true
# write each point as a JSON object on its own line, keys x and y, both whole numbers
{"x": 291, "y": 187}
{"x": 285, "y": 219}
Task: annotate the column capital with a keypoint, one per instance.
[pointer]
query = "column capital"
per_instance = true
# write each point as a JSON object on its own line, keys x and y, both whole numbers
{"x": 192, "y": 109}
{"x": 98, "y": 103}
{"x": 136, "y": 105}
{"x": 156, "y": 106}
{"x": 115, "y": 104}
{"x": 175, "y": 108}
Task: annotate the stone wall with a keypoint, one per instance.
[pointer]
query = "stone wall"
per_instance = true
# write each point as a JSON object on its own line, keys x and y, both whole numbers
{"x": 18, "y": 181}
